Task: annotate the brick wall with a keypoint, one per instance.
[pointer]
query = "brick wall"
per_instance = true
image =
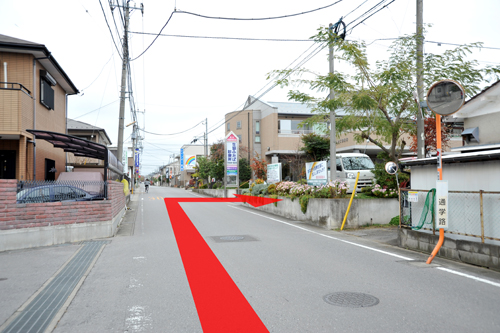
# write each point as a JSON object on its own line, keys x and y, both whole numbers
{"x": 18, "y": 216}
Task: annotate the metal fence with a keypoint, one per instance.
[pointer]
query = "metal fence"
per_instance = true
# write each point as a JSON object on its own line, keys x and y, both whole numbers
{"x": 56, "y": 191}
{"x": 470, "y": 213}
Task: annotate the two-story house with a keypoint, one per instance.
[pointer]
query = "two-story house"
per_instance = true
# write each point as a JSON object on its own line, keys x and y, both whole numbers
{"x": 33, "y": 95}
{"x": 272, "y": 130}
{"x": 480, "y": 116}
{"x": 88, "y": 132}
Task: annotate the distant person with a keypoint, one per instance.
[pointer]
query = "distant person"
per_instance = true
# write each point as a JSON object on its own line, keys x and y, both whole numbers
{"x": 146, "y": 185}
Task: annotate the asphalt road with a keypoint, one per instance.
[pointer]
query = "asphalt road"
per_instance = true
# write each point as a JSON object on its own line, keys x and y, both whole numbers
{"x": 284, "y": 269}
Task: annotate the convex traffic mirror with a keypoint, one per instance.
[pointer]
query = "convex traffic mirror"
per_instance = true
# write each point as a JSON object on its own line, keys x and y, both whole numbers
{"x": 391, "y": 168}
{"x": 445, "y": 97}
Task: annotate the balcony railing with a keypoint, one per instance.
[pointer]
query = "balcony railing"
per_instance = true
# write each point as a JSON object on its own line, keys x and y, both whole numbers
{"x": 14, "y": 86}
{"x": 295, "y": 131}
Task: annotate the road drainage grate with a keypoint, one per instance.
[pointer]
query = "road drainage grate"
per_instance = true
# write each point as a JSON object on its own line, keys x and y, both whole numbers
{"x": 233, "y": 238}
{"x": 39, "y": 313}
{"x": 351, "y": 300}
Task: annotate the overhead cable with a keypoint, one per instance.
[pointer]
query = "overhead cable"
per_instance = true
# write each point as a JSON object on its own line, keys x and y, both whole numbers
{"x": 109, "y": 28}
{"x": 155, "y": 37}
{"x": 173, "y": 133}
{"x": 228, "y": 38}
{"x": 257, "y": 19}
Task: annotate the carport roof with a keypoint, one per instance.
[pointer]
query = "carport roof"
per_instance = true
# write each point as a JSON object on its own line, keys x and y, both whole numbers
{"x": 73, "y": 144}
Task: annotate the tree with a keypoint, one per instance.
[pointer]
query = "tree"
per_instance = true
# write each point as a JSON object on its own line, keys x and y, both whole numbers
{"x": 379, "y": 103}
{"x": 259, "y": 167}
{"x": 316, "y": 146}
{"x": 430, "y": 136}
{"x": 245, "y": 172}
{"x": 203, "y": 167}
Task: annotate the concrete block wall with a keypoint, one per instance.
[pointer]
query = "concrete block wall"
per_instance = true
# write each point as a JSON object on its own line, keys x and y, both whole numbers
{"x": 42, "y": 224}
{"x": 328, "y": 213}
{"x": 466, "y": 251}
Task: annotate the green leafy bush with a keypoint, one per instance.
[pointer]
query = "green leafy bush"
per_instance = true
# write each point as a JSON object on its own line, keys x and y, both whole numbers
{"x": 304, "y": 200}
{"x": 245, "y": 191}
{"x": 394, "y": 220}
{"x": 271, "y": 189}
{"x": 204, "y": 186}
{"x": 258, "y": 189}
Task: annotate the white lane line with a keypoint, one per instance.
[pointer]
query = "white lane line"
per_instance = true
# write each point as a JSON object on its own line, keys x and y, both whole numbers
{"x": 469, "y": 276}
{"x": 327, "y": 236}
{"x": 496, "y": 284}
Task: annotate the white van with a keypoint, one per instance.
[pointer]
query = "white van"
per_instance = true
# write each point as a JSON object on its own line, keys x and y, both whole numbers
{"x": 348, "y": 165}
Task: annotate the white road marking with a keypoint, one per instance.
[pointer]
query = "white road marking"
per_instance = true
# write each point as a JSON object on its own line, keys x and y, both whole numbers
{"x": 327, "y": 236}
{"x": 138, "y": 320}
{"x": 469, "y": 276}
{"x": 371, "y": 248}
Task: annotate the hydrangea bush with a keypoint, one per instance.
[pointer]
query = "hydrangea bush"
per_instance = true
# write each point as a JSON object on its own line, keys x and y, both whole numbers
{"x": 335, "y": 189}
{"x": 380, "y": 192}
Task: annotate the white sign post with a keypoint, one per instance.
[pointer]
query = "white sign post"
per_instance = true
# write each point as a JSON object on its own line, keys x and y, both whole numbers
{"x": 231, "y": 161}
{"x": 273, "y": 173}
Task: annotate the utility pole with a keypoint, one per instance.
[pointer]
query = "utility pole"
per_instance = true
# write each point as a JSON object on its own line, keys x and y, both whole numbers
{"x": 420, "y": 80}
{"x": 333, "y": 147}
{"x": 206, "y": 137}
{"x": 125, "y": 65}
{"x": 125, "y": 61}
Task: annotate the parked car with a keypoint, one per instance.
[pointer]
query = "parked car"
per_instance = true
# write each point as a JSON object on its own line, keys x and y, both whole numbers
{"x": 54, "y": 193}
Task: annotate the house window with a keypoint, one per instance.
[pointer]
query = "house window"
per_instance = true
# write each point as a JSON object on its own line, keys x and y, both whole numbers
{"x": 257, "y": 127}
{"x": 228, "y": 127}
{"x": 238, "y": 125}
{"x": 46, "y": 94}
{"x": 257, "y": 138}
{"x": 239, "y": 137}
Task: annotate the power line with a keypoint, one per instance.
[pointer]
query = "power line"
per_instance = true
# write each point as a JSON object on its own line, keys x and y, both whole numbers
{"x": 372, "y": 13}
{"x": 258, "y": 19}
{"x": 225, "y": 38}
{"x": 109, "y": 28}
{"x": 228, "y": 18}
{"x": 173, "y": 133}
{"x": 155, "y": 37}
{"x": 312, "y": 54}
{"x": 96, "y": 109}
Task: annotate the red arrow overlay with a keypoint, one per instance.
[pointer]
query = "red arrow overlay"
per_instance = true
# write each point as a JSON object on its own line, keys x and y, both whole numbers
{"x": 254, "y": 201}
{"x": 220, "y": 304}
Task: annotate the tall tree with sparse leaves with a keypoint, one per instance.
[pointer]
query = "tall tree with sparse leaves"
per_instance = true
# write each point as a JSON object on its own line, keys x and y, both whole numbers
{"x": 379, "y": 102}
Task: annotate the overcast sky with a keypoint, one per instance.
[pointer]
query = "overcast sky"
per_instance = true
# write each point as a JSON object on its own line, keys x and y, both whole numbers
{"x": 180, "y": 81}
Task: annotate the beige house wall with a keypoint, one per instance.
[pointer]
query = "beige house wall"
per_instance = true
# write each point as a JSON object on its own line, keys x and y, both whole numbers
{"x": 16, "y": 114}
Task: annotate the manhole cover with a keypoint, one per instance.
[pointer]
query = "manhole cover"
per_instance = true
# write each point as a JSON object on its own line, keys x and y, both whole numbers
{"x": 351, "y": 300}
{"x": 3, "y": 279}
{"x": 231, "y": 238}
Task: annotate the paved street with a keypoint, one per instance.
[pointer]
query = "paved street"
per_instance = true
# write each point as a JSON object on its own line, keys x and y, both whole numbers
{"x": 287, "y": 271}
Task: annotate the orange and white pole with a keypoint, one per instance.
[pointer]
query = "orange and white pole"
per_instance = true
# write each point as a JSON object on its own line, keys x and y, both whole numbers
{"x": 440, "y": 177}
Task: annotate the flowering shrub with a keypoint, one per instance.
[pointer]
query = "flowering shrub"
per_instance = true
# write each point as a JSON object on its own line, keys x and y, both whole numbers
{"x": 283, "y": 188}
{"x": 335, "y": 189}
{"x": 380, "y": 192}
